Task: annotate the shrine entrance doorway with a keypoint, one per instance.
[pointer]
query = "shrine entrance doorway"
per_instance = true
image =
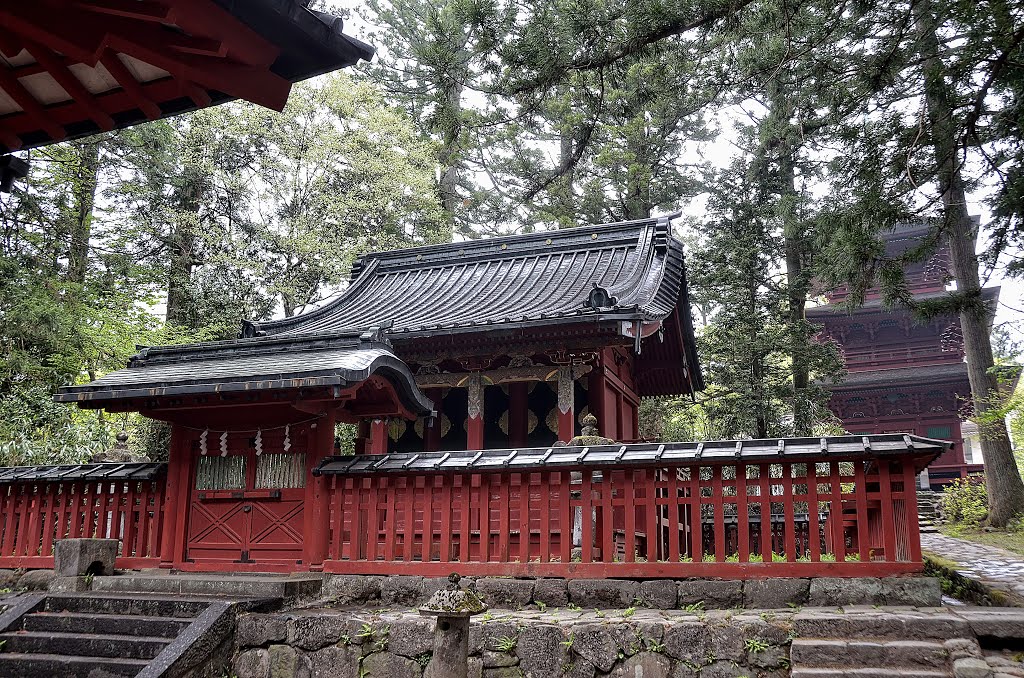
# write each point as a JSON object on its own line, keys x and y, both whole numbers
{"x": 247, "y": 506}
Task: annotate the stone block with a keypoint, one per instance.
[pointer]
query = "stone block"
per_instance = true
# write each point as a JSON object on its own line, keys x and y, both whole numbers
{"x": 401, "y": 590}
{"x": 689, "y": 642}
{"x": 8, "y": 579}
{"x": 499, "y": 671}
{"x": 490, "y": 636}
{"x": 971, "y": 667}
{"x": 713, "y": 593}
{"x": 661, "y": 594}
{"x": 551, "y": 592}
{"x": 69, "y": 584}
{"x": 723, "y": 669}
{"x": 643, "y": 665}
{"x": 387, "y": 665}
{"x": 594, "y": 643}
{"x": 914, "y": 591}
{"x": 256, "y": 630}
{"x": 839, "y": 591}
{"x": 335, "y": 662}
{"x": 285, "y": 662}
{"x": 432, "y": 585}
{"x": 958, "y": 648}
{"x": 541, "y": 652}
{"x": 352, "y": 589}
{"x": 774, "y": 594}
{"x": 475, "y": 668}
{"x": 512, "y": 594}
{"x": 411, "y": 637}
{"x": 497, "y": 660}
{"x": 36, "y": 580}
{"x": 727, "y": 642}
{"x": 312, "y": 632}
{"x": 79, "y": 557}
{"x": 603, "y": 593}
{"x": 252, "y": 664}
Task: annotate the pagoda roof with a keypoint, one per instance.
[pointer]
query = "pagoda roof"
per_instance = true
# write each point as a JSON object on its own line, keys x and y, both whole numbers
{"x": 628, "y": 271}
{"x": 875, "y": 305}
{"x": 74, "y": 69}
{"x": 902, "y": 376}
{"x": 246, "y": 365}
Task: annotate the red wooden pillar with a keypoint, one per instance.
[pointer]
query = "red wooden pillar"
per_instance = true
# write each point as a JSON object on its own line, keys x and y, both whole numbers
{"x": 475, "y": 414}
{"x": 518, "y": 413}
{"x": 176, "y": 498}
{"x": 566, "y": 404}
{"x": 432, "y": 434}
{"x": 318, "y": 512}
{"x": 378, "y": 437}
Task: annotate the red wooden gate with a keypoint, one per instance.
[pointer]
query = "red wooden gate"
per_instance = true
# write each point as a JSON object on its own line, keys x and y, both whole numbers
{"x": 247, "y": 507}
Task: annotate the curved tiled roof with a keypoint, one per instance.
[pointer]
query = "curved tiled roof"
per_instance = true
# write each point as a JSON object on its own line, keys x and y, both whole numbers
{"x": 250, "y": 365}
{"x": 538, "y": 278}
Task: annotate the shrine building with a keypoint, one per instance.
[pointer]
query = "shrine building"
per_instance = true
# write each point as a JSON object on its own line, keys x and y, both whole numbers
{"x": 497, "y": 343}
{"x": 473, "y": 374}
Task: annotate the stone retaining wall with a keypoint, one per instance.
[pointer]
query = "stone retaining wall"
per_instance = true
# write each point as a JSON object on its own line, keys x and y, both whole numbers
{"x": 513, "y": 645}
{"x": 662, "y": 594}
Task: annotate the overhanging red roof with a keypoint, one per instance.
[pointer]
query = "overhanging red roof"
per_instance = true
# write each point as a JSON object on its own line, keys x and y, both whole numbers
{"x": 72, "y": 68}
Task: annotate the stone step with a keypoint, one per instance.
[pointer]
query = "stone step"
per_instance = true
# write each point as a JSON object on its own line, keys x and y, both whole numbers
{"x": 83, "y": 644}
{"x": 89, "y": 622}
{"x": 882, "y": 672}
{"x": 262, "y": 586}
{"x": 870, "y": 625}
{"x": 58, "y": 666}
{"x": 836, "y": 653}
{"x": 150, "y": 606}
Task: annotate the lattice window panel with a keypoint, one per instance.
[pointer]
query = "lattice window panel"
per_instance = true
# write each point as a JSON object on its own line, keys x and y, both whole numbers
{"x": 281, "y": 470}
{"x": 221, "y": 473}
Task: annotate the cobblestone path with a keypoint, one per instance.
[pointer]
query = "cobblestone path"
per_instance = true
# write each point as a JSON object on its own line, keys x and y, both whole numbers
{"x": 992, "y": 566}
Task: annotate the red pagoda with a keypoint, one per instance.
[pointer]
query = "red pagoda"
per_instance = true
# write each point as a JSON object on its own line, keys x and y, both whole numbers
{"x": 905, "y": 376}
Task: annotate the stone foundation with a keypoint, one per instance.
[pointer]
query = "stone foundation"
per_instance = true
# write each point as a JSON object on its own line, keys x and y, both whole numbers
{"x": 620, "y": 643}
{"x": 661, "y": 594}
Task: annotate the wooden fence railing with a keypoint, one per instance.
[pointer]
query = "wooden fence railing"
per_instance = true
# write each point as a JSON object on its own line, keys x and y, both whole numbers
{"x": 813, "y": 517}
{"x": 113, "y": 501}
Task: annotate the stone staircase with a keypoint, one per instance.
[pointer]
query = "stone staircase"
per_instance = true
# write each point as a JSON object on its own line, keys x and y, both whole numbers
{"x": 928, "y": 511}
{"x": 96, "y": 635}
{"x": 871, "y": 644}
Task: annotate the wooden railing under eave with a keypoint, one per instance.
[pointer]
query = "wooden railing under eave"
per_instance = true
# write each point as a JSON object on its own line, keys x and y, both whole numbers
{"x": 41, "y": 504}
{"x": 840, "y": 506}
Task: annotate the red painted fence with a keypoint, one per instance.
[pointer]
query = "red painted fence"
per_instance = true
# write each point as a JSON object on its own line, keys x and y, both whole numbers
{"x": 837, "y": 517}
{"x": 34, "y": 514}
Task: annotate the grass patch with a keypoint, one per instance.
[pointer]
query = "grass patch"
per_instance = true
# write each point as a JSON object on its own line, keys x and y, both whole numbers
{"x": 1010, "y": 540}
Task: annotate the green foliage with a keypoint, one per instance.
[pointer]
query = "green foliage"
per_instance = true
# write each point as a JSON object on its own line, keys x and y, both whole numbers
{"x": 965, "y": 501}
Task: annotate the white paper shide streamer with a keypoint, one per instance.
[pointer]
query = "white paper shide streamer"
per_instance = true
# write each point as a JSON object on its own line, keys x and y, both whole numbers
{"x": 287, "y": 438}
{"x": 224, "y": 444}
{"x": 259, "y": 442}
{"x": 202, "y": 441}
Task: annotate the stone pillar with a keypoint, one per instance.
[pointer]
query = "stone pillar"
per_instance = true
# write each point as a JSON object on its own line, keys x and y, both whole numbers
{"x": 475, "y": 413}
{"x": 453, "y": 607}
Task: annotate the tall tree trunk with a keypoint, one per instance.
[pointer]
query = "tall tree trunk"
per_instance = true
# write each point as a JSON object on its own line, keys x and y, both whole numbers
{"x": 83, "y": 199}
{"x": 782, "y": 142}
{"x": 1002, "y": 479}
{"x": 182, "y": 247}
{"x": 450, "y": 153}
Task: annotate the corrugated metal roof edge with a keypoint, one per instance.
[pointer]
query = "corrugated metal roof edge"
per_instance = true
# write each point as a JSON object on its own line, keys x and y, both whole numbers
{"x": 62, "y": 473}
{"x": 642, "y": 454}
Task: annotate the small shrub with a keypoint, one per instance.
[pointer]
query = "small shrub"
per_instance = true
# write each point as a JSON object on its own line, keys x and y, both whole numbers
{"x": 965, "y": 502}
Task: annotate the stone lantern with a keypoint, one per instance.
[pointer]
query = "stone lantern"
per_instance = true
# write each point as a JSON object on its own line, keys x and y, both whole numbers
{"x": 452, "y": 606}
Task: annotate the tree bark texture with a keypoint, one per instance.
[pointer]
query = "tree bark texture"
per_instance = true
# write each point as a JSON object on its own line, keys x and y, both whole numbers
{"x": 1003, "y": 481}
